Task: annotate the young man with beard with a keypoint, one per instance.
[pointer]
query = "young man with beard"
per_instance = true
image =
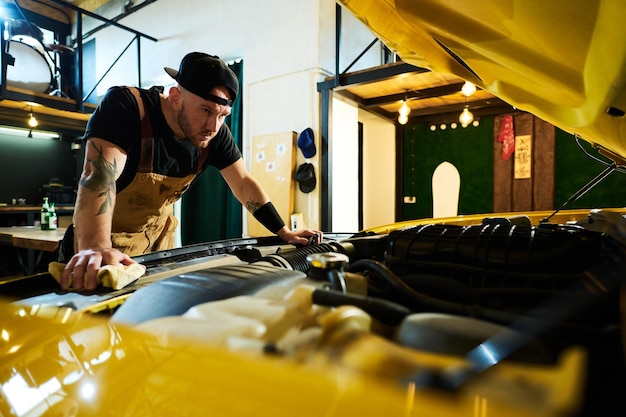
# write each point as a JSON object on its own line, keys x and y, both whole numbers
{"x": 143, "y": 150}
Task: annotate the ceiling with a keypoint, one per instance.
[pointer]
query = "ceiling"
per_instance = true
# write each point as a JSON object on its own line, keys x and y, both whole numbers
{"x": 54, "y": 10}
{"x": 433, "y": 97}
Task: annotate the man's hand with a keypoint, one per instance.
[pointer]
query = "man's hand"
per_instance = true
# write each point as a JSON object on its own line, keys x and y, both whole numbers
{"x": 301, "y": 237}
{"x": 86, "y": 263}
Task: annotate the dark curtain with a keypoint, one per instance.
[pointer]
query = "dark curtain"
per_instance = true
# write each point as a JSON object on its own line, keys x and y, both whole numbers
{"x": 209, "y": 210}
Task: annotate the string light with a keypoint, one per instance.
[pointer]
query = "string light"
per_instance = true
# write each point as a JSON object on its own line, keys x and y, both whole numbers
{"x": 466, "y": 117}
{"x": 452, "y": 125}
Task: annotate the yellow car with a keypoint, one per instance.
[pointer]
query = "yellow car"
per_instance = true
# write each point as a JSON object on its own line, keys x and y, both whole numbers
{"x": 509, "y": 314}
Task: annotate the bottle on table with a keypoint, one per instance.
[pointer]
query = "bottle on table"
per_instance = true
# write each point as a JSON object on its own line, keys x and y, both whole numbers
{"x": 45, "y": 214}
{"x": 52, "y": 218}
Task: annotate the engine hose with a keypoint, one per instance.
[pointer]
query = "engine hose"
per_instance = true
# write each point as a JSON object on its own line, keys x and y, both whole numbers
{"x": 337, "y": 281}
{"x": 422, "y": 301}
{"x": 426, "y": 303}
{"x": 384, "y": 310}
{"x": 296, "y": 259}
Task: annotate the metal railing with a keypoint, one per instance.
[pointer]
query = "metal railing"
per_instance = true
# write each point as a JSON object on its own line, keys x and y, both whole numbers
{"x": 76, "y": 101}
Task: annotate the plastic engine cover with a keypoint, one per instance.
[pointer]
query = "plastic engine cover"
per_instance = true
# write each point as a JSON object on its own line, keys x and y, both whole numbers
{"x": 175, "y": 295}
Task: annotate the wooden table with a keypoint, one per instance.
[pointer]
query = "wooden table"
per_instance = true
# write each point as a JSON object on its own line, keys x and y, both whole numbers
{"x": 32, "y": 213}
{"x": 32, "y": 239}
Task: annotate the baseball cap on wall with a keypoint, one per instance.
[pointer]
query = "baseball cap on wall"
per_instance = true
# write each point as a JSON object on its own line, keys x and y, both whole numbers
{"x": 306, "y": 143}
{"x": 305, "y": 175}
{"x": 200, "y": 73}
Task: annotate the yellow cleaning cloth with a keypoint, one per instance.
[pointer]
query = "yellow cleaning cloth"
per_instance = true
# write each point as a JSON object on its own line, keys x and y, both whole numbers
{"x": 110, "y": 276}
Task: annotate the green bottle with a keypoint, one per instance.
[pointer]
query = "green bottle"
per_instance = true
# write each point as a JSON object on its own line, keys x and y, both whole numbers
{"x": 52, "y": 218}
{"x": 45, "y": 209}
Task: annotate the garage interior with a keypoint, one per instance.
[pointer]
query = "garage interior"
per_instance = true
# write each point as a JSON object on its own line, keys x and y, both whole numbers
{"x": 442, "y": 311}
{"x": 434, "y": 100}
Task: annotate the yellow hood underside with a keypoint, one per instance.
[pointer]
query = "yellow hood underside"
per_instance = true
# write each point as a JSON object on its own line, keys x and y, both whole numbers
{"x": 563, "y": 61}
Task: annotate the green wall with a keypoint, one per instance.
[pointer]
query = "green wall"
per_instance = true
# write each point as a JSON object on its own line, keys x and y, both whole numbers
{"x": 574, "y": 169}
{"x": 469, "y": 149}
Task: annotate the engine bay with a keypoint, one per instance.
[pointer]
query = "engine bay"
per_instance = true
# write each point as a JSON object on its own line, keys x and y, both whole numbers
{"x": 529, "y": 314}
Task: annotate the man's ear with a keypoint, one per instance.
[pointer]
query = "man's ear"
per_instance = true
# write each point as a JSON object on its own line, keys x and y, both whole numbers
{"x": 176, "y": 96}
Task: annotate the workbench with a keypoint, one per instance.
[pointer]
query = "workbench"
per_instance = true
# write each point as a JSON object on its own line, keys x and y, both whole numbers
{"x": 33, "y": 240}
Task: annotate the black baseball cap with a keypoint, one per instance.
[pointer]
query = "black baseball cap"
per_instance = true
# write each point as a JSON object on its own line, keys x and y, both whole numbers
{"x": 200, "y": 73}
{"x": 305, "y": 175}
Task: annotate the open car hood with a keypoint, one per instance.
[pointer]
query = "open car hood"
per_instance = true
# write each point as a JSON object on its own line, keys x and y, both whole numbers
{"x": 563, "y": 61}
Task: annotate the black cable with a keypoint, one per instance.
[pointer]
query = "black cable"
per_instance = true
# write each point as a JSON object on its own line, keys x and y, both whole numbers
{"x": 610, "y": 167}
{"x": 595, "y": 158}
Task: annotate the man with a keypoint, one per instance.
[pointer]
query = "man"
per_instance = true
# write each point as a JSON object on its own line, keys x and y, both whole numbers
{"x": 143, "y": 150}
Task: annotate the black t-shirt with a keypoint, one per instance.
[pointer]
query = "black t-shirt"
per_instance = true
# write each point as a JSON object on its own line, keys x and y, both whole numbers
{"x": 117, "y": 120}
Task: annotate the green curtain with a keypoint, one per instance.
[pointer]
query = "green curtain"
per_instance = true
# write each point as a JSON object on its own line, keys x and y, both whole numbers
{"x": 469, "y": 149}
{"x": 209, "y": 210}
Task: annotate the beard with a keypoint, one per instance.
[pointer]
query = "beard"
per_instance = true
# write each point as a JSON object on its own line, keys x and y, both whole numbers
{"x": 199, "y": 139}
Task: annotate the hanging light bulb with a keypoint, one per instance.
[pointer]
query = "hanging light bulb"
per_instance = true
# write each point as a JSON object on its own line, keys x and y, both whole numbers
{"x": 403, "y": 119}
{"x": 466, "y": 117}
{"x": 468, "y": 89}
{"x": 32, "y": 121}
{"x": 404, "y": 109}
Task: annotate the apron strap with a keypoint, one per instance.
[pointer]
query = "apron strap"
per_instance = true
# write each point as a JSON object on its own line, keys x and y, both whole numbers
{"x": 146, "y": 154}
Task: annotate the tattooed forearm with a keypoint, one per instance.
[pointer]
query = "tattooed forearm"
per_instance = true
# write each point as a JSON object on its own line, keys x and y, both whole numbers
{"x": 101, "y": 179}
{"x": 252, "y": 205}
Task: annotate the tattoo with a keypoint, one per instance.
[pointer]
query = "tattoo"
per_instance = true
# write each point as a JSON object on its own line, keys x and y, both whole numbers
{"x": 102, "y": 179}
{"x": 253, "y": 206}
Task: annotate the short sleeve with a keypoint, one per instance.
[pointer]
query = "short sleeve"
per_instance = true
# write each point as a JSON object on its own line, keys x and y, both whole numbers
{"x": 223, "y": 150}
{"x": 116, "y": 119}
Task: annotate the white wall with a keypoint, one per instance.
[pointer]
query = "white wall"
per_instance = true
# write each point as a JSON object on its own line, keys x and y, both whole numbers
{"x": 379, "y": 170}
{"x": 344, "y": 144}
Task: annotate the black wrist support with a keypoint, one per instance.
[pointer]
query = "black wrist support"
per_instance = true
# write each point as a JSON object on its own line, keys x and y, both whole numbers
{"x": 269, "y": 217}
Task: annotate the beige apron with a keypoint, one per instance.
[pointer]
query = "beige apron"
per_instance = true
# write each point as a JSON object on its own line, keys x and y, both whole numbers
{"x": 143, "y": 219}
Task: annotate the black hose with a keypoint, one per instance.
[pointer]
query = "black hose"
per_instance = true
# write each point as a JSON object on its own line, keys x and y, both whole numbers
{"x": 424, "y": 302}
{"x": 337, "y": 280}
{"x": 383, "y": 310}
